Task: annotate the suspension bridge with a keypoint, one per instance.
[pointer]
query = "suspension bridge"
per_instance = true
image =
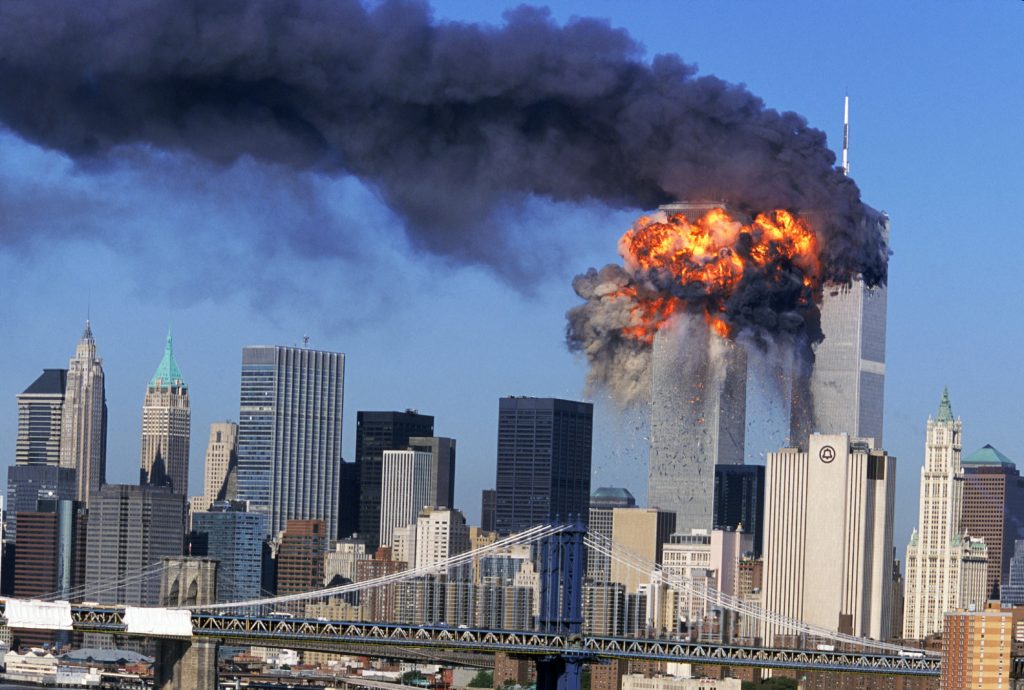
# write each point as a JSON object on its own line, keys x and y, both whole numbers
{"x": 436, "y": 609}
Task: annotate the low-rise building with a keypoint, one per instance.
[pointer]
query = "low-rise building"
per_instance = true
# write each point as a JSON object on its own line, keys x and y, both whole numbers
{"x": 34, "y": 666}
{"x": 340, "y": 561}
{"x": 636, "y": 681}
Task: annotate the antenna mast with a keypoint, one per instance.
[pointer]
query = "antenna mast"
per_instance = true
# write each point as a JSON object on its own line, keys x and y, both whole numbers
{"x": 846, "y": 135}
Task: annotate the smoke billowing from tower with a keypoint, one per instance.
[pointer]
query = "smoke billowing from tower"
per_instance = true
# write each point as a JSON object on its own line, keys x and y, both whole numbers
{"x": 761, "y": 279}
{"x": 677, "y": 322}
{"x": 451, "y": 124}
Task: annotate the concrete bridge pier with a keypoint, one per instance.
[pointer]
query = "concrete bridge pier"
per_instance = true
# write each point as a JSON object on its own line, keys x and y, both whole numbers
{"x": 183, "y": 664}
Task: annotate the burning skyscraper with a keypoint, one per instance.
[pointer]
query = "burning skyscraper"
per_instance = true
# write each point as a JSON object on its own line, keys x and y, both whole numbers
{"x": 848, "y": 377}
{"x": 698, "y": 418}
{"x": 698, "y": 411}
{"x": 701, "y": 291}
{"x": 489, "y": 119}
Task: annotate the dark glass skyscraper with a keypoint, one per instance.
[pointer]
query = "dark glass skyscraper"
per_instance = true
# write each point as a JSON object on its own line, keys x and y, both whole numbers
{"x": 487, "y": 498}
{"x": 28, "y": 484}
{"x": 377, "y": 432}
{"x": 40, "y": 409}
{"x": 289, "y": 433}
{"x": 543, "y": 472}
{"x": 348, "y": 500}
{"x": 131, "y": 528}
{"x": 739, "y": 500}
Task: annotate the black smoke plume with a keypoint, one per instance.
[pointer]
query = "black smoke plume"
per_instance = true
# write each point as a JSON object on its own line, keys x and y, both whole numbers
{"x": 450, "y": 123}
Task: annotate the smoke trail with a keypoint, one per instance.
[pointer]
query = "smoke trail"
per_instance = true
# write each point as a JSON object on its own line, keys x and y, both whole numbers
{"x": 450, "y": 123}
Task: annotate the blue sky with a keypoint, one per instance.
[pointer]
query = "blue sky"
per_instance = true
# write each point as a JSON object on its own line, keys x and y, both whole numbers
{"x": 937, "y": 92}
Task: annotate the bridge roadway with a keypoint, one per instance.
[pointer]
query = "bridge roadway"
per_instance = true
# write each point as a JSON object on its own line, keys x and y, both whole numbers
{"x": 412, "y": 641}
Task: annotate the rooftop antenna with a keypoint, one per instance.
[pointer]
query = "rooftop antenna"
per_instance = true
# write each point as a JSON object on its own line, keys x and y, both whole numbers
{"x": 846, "y": 134}
{"x": 305, "y": 341}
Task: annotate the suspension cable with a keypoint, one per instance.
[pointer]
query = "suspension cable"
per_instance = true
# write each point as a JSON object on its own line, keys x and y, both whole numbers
{"x": 711, "y": 595}
{"x": 526, "y": 537}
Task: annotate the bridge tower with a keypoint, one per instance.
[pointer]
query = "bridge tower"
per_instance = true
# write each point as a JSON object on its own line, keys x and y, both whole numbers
{"x": 187, "y": 664}
{"x": 561, "y": 605}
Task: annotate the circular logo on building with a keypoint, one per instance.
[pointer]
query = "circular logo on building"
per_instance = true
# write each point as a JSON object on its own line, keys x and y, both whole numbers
{"x": 827, "y": 453}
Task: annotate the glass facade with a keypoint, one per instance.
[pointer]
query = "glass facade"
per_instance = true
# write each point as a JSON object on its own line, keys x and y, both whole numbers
{"x": 131, "y": 528}
{"x": 28, "y": 484}
{"x": 40, "y": 408}
{"x": 289, "y": 434}
{"x": 1012, "y": 593}
{"x": 377, "y": 432}
{"x": 739, "y": 500}
{"x": 235, "y": 538}
{"x": 544, "y": 447}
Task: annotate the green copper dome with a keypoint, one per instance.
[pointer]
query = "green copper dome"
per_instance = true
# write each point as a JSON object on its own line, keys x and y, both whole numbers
{"x": 945, "y": 409}
{"x": 987, "y": 455}
{"x": 168, "y": 373}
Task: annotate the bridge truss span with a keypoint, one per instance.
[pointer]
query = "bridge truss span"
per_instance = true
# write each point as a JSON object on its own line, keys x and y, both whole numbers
{"x": 530, "y": 643}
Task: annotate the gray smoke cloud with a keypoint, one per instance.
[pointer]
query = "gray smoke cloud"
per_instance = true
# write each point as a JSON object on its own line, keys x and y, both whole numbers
{"x": 619, "y": 364}
{"x": 449, "y": 123}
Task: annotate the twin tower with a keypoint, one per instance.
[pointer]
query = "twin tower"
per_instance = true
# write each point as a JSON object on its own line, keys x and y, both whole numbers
{"x": 701, "y": 385}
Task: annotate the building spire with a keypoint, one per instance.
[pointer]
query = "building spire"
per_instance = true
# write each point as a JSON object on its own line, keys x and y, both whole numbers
{"x": 945, "y": 409}
{"x": 87, "y": 332}
{"x": 167, "y": 373}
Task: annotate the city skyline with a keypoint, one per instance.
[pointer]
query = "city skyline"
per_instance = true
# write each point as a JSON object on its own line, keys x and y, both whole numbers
{"x": 714, "y": 262}
{"x": 469, "y": 508}
{"x": 897, "y": 173}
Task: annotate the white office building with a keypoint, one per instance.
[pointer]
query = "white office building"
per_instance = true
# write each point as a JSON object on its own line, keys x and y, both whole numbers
{"x": 828, "y": 536}
{"x": 707, "y": 559}
{"x": 404, "y": 489}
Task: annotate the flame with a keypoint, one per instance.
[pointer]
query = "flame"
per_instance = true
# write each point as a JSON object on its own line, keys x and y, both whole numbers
{"x": 647, "y": 313}
{"x": 697, "y": 265}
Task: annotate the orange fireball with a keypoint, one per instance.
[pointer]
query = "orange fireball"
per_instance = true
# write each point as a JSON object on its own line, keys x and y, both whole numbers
{"x": 698, "y": 265}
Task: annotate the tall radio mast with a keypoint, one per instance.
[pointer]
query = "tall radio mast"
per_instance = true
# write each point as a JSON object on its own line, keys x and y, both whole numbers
{"x": 846, "y": 135}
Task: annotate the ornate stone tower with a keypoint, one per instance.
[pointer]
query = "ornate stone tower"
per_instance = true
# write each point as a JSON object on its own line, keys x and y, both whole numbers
{"x": 945, "y": 567}
{"x": 83, "y": 442}
{"x": 166, "y": 423}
